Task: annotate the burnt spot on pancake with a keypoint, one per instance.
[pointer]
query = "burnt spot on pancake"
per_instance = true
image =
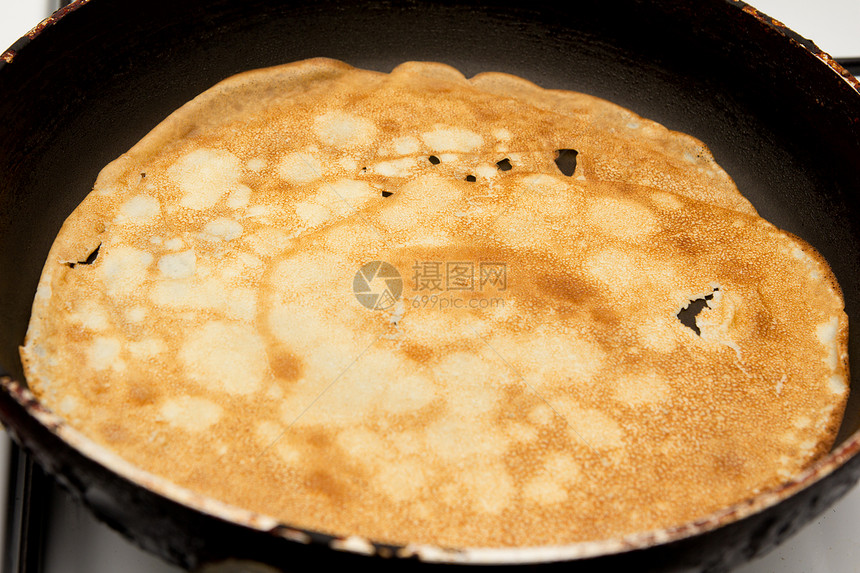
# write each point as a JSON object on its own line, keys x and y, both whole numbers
{"x": 318, "y": 438}
{"x": 729, "y": 463}
{"x": 98, "y": 384}
{"x": 285, "y": 365}
{"x": 324, "y": 482}
{"x": 565, "y": 160}
{"x": 80, "y": 334}
{"x": 140, "y": 393}
{"x": 420, "y": 353}
{"x": 115, "y": 432}
{"x": 567, "y": 287}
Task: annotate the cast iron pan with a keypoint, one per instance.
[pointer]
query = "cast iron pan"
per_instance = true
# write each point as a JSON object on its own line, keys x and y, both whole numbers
{"x": 781, "y": 118}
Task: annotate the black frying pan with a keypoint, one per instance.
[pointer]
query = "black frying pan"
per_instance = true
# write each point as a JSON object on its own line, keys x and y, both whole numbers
{"x": 777, "y": 114}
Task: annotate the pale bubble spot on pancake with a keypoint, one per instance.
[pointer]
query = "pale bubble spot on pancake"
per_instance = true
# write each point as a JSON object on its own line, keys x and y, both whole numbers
{"x": 140, "y": 209}
{"x": 204, "y": 175}
{"x": 225, "y": 357}
{"x": 343, "y": 130}
{"x": 241, "y": 195}
{"x": 223, "y": 229}
{"x": 178, "y": 265}
{"x": 300, "y": 167}
{"x": 104, "y": 354}
{"x": 451, "y": 139}
{"x": 147, "y": 348}
{"x": 194, "y": 415}
{"x": 124, "y": 269}
{"x": 204, "y": 290}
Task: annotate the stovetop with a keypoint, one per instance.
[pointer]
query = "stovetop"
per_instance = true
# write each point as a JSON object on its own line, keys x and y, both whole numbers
{"x": 74, "y": 542}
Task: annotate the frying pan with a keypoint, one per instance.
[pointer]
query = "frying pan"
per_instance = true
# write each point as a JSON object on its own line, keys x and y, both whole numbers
{"x": 778, "y": 114}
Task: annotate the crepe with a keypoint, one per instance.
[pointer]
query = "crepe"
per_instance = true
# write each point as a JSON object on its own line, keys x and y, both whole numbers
{"x": 375, "y": 304}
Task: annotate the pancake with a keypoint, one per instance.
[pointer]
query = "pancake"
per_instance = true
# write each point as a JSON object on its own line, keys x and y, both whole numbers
{"x": 382, "y": 305}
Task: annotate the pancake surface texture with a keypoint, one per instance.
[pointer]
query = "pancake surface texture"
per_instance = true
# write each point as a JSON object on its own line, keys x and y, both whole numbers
{"x": 373, "y": 304}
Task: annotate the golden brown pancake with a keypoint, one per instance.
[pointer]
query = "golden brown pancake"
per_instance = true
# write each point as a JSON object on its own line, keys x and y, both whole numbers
{"x": 373, "y": 304}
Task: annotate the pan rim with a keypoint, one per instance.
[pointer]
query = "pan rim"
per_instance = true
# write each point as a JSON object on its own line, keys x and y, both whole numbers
{"x": 100, "y": 455}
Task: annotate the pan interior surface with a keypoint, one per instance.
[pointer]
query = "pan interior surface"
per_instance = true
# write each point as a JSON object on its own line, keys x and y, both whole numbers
{"x": 233, "y": 245}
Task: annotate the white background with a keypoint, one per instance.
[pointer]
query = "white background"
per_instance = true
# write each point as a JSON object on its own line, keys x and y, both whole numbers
{"x": 831, "y": 544}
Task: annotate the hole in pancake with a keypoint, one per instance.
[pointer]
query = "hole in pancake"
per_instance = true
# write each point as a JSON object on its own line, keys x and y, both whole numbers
{"x": 387, "y": 193}
{"x": 504, "y": 164}
{"x": 471, "y": 178}
{"x": 687, "y": 315}
{"x": 565, "y": 159}
{"x": 143, "y": 174}
{"x": 434, "y": 160}
{"x": 91, "y": 258}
